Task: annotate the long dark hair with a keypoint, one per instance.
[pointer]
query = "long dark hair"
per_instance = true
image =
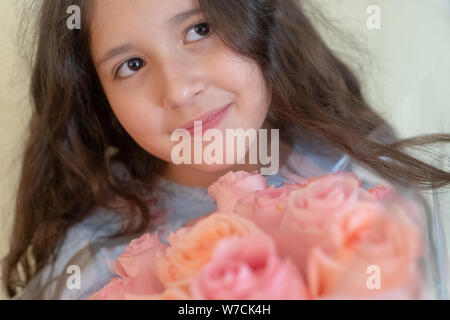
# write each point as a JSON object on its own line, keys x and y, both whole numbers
{"x": 74, "y": 136}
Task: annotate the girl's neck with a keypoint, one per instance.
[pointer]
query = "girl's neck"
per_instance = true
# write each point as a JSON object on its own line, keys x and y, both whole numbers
{"x": 189, "y": 176}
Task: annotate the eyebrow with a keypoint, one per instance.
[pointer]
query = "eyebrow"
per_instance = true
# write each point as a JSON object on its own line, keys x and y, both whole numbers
{"x": 182, "y": 16}
{"x": 175, "y": 20}
{"x": 114, "y": 52}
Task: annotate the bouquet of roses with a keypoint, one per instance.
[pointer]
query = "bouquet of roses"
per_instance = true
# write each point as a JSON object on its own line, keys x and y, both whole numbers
{"x": 324, "y": 238}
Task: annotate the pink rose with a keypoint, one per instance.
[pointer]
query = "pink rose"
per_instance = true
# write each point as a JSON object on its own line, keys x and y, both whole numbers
{"x": 233, "y": 186}
{"x": 267, "y": 208}
{"x": 134, "y": 267}
{"x": 326, "y": 177}
{"x": 367, "y": 235}
{"x": 248, "y": 268}
{"x": 119, "y": 288}
{"x": 137, "y": 255}
{"x": 114, "y": 290}
{"x": 308, "y": 210}
{"x": 323, "y": 196}
{"x": 380, "y": 192}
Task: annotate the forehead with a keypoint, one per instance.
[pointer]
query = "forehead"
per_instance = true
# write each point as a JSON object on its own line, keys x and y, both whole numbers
{"x": 115, "y": 19}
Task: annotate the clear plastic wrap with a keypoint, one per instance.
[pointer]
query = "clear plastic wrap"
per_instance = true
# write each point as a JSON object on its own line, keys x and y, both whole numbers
{"x": 309, "y": 158}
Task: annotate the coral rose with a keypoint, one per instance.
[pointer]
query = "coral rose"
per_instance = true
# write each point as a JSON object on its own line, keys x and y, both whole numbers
{"x": 192, "y": 248}
{"x": 371, "y": 250}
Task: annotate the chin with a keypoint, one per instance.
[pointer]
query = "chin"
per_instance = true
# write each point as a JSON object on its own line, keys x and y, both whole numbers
{"x": 212, "y": 168}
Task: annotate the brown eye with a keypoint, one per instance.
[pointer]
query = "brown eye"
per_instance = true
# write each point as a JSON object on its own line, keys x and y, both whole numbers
{"x": 202, "y": 29}
{"x": 135, "y": 64}
{"x": 199, "y": 31}
{"x": 130, "y": 67}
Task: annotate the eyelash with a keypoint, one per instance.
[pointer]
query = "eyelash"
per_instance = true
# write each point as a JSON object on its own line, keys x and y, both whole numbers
{"x": 184, "y": 33}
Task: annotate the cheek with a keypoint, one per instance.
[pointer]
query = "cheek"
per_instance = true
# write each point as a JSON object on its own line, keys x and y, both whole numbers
{"x": 144, "y": 124}
{"x": 138, "y": 121}
{"x": 241, "y": 76}
{"x": 247, "y": 82}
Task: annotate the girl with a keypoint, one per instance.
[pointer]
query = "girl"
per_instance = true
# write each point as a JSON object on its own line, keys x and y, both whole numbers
{"x": 97, "y": 168}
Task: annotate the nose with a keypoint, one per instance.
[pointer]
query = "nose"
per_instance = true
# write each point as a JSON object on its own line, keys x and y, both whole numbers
{"x": 182, "y": 83}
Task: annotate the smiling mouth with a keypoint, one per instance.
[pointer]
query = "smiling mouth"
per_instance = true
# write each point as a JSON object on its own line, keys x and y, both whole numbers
{"x": 209, "y": 119}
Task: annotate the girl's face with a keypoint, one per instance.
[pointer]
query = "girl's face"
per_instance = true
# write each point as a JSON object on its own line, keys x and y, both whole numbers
{"x": 162, "y": 66}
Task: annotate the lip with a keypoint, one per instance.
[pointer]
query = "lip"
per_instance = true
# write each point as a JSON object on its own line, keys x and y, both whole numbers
{"x": 209, "y": 119}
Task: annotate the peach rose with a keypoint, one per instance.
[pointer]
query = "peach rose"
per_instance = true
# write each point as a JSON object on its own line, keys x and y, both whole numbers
{"x": 194, "y": 248}
{"x": 192, "y": 222}
{"x": 363, "y": 236}
{"x": 245, "y": 269}
{"x": 233, "y": 186}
